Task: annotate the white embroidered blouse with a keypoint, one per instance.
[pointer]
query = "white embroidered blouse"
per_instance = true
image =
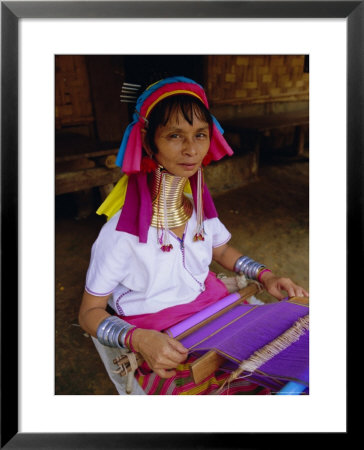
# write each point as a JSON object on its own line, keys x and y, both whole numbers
{"x": 143, "y": 279}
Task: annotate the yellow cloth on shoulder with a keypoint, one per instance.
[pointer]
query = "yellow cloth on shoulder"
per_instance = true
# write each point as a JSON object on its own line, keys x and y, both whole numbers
{"x": 116, "y": 199}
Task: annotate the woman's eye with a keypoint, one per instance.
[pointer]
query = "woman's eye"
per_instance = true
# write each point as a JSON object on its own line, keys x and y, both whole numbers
{"x": 174, "y": 136}
{"x": 201, "y": 135}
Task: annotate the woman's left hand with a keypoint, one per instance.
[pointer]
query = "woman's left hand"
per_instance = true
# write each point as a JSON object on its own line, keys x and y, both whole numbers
{"x": 275, "y": 285}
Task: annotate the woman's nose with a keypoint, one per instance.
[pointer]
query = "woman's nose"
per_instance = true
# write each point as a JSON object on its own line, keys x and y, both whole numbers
{"x": 189, "y": 147}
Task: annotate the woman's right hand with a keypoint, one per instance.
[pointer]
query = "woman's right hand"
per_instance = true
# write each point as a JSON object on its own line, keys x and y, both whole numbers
{"x": 161, "y": 352}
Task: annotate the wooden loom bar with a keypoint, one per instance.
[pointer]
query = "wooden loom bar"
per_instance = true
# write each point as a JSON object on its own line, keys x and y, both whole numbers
{"x": 206, "y": 365}
{"x": 248, "y": 291}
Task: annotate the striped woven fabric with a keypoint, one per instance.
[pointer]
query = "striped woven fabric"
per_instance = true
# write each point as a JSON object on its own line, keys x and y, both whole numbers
{"x": 183, "y": 384}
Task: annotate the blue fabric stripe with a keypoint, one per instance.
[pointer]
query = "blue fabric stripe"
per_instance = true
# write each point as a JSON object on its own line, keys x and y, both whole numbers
{"x": 124, "y": 142}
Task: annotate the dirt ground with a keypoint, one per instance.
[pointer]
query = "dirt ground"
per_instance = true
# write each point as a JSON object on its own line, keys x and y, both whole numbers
{"x": 268, "y": 219}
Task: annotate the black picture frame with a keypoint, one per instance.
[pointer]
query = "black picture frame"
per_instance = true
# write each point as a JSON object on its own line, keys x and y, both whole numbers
{"x": 11, "y": 13}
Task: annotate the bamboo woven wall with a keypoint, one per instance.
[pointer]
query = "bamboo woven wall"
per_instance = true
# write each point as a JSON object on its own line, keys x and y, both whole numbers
{"x": 72, "y": 91}
{"x": 233, "y": 79}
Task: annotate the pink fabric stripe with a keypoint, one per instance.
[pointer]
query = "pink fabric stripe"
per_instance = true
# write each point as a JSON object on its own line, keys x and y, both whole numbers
{"x": 215, "y": 290}
{"x": 218, "y": 145}
{"x": 131, "y": 161}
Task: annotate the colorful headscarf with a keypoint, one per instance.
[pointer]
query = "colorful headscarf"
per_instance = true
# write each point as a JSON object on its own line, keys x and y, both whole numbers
{"x": 136, "y": 214}
{"x": 130, "y": 152}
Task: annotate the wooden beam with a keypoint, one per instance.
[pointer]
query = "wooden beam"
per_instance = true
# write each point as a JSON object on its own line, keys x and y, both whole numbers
{"x": 85, "y": 154}
{"x": 77, "y": 164}
{"x": 85, "y": 179}
{"x": 108, "y": 161}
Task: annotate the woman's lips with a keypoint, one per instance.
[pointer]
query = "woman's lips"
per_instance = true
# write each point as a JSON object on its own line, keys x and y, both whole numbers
{"x": 188, "y": 166}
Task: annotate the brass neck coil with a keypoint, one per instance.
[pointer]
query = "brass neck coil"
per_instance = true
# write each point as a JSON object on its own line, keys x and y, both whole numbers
{"x": 178, "y": 206}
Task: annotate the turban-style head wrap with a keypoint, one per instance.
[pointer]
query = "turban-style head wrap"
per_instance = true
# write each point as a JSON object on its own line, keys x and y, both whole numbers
{"x": 130, "y": 153}
{"x": 136, "y": 214}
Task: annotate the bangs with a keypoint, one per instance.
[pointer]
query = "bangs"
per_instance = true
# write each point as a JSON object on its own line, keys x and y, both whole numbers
{"x": 187, "y": 106}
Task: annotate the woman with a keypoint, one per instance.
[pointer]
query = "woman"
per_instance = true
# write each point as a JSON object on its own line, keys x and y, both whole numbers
{"x": 150, "y": 264}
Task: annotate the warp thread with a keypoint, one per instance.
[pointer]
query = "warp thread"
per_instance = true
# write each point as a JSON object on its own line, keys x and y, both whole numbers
{"x": 271, "y": 349}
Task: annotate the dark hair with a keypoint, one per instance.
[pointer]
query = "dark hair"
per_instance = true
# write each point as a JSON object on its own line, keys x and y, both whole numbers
{"x": 188, "y": 105}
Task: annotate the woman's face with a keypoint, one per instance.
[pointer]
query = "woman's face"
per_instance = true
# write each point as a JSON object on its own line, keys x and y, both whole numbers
{"x": 181, "y": 146}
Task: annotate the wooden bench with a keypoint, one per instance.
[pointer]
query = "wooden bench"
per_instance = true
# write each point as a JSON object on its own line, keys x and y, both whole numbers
{"x": 262, "y": 125}
{"x": 82, "y": 164}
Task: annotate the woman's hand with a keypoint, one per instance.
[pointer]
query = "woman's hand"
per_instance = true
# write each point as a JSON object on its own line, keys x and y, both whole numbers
{"x": 161, "y": 352}
{"x": 275, "y": 285}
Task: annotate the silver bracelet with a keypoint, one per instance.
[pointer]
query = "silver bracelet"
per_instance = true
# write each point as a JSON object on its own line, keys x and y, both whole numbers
{"x": 248, "y": 267}
{"x": 122, "y": 336}
{"x": 112, "y": 331}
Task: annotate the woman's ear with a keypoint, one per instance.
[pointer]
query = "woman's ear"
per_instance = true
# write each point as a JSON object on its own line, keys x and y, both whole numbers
{"x": 145, "y": 143}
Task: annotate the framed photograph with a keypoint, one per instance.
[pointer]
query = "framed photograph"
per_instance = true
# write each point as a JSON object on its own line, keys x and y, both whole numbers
{"x": 331, "y": 33}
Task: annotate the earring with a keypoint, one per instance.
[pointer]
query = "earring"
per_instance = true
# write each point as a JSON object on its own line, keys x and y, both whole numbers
{"x": 148, "y": 164}
{"x": 199, "y": 232}
{"x": 164, "y": 240}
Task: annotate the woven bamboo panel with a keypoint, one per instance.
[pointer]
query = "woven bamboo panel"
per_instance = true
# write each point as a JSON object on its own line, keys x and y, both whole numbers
{"x": 256, "y": 78}
{"x": 72, "y": 91}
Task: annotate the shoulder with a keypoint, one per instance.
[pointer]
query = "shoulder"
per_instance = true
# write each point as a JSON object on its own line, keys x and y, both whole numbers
{"x": 219, "y": 233}
{"x": 214, "y": 222}
{"x": 109, "y": 236}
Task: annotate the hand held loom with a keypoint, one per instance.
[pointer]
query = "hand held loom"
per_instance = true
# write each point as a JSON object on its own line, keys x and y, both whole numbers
{"x": 267, "y": 343}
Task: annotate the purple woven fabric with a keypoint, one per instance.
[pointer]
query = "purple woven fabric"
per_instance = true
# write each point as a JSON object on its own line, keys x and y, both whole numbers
{"x": 247, "y": 328}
